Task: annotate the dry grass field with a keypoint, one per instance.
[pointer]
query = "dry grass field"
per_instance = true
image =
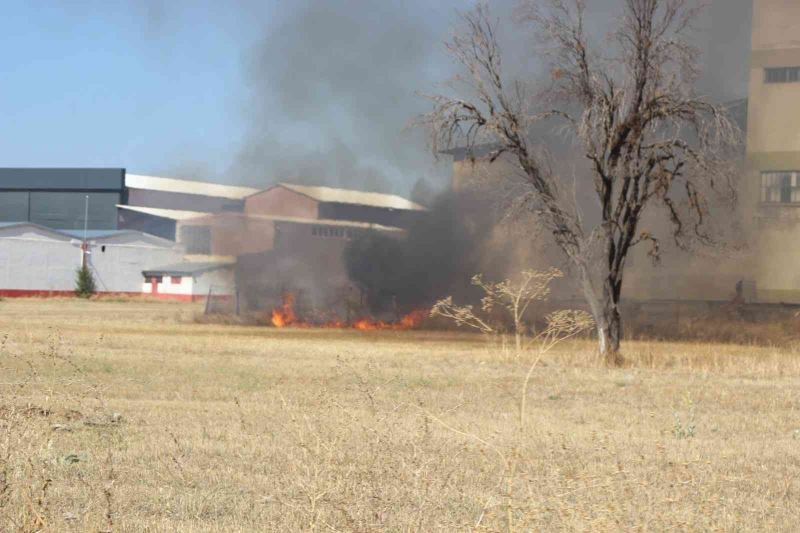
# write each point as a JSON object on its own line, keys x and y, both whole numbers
{"x": 127, "y": 416}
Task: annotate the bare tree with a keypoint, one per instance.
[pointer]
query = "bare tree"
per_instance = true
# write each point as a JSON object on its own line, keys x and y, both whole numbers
{"x": 628, "y": 104}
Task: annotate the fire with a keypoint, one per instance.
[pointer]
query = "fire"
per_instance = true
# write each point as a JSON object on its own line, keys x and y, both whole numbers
{"x": 285, "y": 316}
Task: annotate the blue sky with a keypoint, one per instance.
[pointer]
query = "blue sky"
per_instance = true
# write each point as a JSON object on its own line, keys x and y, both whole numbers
{"x": 121, "y": 84}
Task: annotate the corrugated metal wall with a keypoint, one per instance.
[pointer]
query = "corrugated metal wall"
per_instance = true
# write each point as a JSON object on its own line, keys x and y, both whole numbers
{"x": 36, "y": 260}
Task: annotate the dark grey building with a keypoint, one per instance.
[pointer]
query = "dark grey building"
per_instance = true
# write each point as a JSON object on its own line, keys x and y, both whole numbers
{"x": 57, "y": 197}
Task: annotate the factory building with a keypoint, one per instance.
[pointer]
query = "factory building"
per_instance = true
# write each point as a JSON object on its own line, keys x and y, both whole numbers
{"x": 293, "y": 237}
{"x": 181, "y": 239}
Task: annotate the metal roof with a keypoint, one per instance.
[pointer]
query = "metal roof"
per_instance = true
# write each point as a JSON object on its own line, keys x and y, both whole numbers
{"x": 200, "y": 188}
{"x": 348, "y": 196}
{"x": 179, "y": 269}
{"x": 63, "y": 179}
{"x": 44, "y": 229}
{"x": 173, "y": 214}
{"x": 90, "y": 234}
{"x": 298, "y": 220}
{"x": 95, "y": 233}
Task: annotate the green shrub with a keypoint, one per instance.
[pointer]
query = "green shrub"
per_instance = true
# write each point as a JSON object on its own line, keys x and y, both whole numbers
{"x": 84, "y": 282}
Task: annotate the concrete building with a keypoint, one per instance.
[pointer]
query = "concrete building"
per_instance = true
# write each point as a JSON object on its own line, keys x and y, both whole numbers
{"x": 772, "y": 185}
{"x": 293, "y": 237}
{"x": 39, "y": 261}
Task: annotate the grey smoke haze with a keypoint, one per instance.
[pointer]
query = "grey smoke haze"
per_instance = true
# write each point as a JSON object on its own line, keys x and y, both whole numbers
{"x": 328, "y": 86}
{"x": 333, "y": 87}
{"x": 333, "y": 84}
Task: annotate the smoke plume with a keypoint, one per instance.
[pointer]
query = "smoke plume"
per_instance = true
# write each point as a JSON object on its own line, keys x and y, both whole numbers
{"x": 332, "y": 87}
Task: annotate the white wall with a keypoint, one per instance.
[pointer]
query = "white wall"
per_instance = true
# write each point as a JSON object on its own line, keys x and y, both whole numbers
{"x": 30, "y": 260}
{"x": 118, "y": 267}
{"x": 184, "y": 288}
{"x": 36, "y": 259}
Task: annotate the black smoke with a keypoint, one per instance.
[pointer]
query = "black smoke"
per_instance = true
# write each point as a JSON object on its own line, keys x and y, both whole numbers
{"x": 438, "y": 256}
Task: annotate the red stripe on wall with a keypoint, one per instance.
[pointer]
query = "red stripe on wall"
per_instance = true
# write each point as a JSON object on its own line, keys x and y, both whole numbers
{"x": 25, "y": 293}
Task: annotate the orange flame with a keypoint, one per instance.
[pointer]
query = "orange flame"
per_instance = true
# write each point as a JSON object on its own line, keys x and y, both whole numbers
{"x": 285, "y": 316}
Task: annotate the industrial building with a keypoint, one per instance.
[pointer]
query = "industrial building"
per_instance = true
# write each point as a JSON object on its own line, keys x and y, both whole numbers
{"x": 182, "y": 239}
{"x": 292, "y": 237}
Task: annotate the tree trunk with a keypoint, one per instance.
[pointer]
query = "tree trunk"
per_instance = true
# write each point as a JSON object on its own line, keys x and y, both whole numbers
{"x": 609, "y": 328}
{"x": 605, "y": 311}
{"x": 609, "y": 335}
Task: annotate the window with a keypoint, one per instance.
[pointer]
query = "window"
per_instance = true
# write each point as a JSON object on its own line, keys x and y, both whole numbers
{"x": 175, "y": 280}
{"x": 339, "y": 233}
{"x": 780, "y": 187}
{"x": 154, "y": 279}
{"x": 782, "y": 75}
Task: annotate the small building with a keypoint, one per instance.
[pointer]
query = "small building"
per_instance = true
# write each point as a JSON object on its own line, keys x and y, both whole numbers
{"x": 39, "y": 261}
{"x": 191, "y": 281}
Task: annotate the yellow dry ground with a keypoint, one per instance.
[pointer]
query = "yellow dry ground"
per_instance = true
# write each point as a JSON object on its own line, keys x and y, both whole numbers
{"x": 127, "y": 416}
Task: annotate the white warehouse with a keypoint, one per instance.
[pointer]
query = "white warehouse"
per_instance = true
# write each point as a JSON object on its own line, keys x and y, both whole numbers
{"x": 38, "y": 261}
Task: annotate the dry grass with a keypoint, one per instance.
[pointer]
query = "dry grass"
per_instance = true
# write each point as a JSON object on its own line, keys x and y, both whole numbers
{"x": 124, "y": 416}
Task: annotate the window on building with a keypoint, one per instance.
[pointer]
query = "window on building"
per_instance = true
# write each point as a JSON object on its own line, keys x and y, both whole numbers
{"x": 780, "y": 187}
{"x": 782, "y": 75}
{"x": 154, "y": 279}
{"x": 175, "y": 280}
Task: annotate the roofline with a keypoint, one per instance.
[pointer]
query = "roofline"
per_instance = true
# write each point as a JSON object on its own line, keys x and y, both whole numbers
{"x": 37, "y": 226}
{"x": 286, "y": 186}
{"x": 130, "y": 232}
{"x": 177, "y": 272}
{"x": 140, "y": 209}
{"x": 299, "y": 220}
{"x": 63, "y": 232}
{"x": 243, "y": 191}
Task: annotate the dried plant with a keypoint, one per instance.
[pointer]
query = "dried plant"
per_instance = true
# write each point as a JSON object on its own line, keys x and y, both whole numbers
{"x": 514, "y": 298}
{"x": 629, "y": 105}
